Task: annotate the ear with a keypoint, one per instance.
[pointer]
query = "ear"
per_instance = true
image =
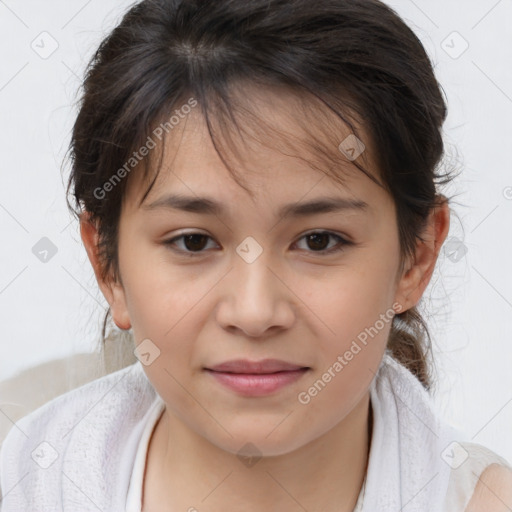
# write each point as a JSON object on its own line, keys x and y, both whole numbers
{"x": 417, "y": 275}
{"x": 112, "y": 290}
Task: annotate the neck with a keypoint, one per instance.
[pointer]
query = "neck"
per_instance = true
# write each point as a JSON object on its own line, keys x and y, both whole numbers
{"x": 184, "y": 470}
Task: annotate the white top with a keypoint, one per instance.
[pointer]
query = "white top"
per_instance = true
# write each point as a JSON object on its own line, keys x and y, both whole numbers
{"x": 86, "y": 450}
{"x": 468, "y": 463}
{"x": 134, "y": 497}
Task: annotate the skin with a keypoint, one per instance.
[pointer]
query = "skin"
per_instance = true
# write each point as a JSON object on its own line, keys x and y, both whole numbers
{"x": 493, "y": 492}
{"x": 291, "y": 303}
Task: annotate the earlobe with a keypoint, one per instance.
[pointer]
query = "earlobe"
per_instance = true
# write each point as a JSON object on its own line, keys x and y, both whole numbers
{"x": 112, "y": 290}
{"x": 418, "y": 273}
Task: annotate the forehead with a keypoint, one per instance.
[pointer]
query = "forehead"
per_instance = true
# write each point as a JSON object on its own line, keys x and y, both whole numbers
{"x": 272, "y": 155}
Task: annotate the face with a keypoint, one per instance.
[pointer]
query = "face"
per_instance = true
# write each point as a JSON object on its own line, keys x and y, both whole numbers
{"x": 315, "y": 289}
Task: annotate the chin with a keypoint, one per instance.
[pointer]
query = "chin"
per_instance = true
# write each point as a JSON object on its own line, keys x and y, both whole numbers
{"x": 247, "y": 443}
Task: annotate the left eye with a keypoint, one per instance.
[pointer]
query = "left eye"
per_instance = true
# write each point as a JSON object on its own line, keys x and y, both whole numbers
{"x": 194, "y": 243}
{"x": 319, "y": 238}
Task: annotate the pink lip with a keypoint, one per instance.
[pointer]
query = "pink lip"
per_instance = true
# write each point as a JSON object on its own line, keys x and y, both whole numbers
{"x": 264, "y": 366}
{"x": 256, "y": 378}
{"x": 248, "y": 384}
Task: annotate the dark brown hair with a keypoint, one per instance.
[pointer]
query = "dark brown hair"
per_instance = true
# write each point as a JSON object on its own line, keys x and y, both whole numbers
{"x": 356, "y": 58}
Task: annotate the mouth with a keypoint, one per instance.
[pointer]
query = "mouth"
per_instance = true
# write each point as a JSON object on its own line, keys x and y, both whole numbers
{"x": 256, "y": 378}
{"x": 264, "y": 367}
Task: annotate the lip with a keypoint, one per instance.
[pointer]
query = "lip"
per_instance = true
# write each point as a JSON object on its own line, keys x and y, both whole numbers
{"x": 257, "y": 378}
{"x": 256, "y": 367}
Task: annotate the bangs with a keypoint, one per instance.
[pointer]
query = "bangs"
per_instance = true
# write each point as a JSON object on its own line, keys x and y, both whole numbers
{"x": 322, "y": 132}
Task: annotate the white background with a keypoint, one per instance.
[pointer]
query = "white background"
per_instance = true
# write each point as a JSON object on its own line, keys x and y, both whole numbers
{"x": 53, "y": 309}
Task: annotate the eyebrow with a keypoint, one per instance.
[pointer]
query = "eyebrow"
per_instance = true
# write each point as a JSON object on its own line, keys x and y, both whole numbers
{"x": 207, "y": 206}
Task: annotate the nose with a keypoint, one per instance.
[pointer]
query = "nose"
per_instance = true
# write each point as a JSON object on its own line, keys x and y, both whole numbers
{"x": 256, "y": 300}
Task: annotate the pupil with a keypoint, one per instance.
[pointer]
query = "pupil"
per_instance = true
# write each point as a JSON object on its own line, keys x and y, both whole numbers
{"x": 315, "y": 236}
{"x": 194, "y": 238}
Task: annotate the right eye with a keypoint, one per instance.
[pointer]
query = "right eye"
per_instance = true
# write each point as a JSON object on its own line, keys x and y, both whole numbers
{"x": 193, "y": 243}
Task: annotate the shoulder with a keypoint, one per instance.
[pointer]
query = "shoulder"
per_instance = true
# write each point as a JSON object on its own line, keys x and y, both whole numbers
{"x": 73, "y": 428}
{"x": 493, "y": 492}
{"x": 116, "y": 396}
{"x": 480, "y": 480}
{"x": 72, "y": 405}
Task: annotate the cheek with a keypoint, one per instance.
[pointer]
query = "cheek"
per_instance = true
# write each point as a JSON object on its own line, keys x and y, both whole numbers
{"x": 351, "y": 298}
{"x": 163, "y": 307}
{"x": 356, "y": 316}
{"x": 353, "y": 312}
{"x": 159, "y": 294}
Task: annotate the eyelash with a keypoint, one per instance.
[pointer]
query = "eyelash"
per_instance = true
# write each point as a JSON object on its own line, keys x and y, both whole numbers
{"x": 342, "y": 243}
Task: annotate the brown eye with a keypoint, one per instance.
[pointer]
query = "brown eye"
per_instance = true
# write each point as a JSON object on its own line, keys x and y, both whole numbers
{"x": 318, "y": 241}
{"x": 192, "y": 243}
